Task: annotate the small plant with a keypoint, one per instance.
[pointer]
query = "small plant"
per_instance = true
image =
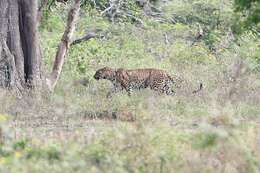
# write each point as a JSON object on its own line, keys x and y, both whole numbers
{"x": 205, "y": 140}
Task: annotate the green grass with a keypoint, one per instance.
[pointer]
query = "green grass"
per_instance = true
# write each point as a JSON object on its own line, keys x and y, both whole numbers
{"x": 77, "y": 129}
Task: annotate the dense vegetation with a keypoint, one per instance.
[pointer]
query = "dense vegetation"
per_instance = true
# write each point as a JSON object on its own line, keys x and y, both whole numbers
{"x": 248, "y": 14}
{"x": 77, "y": 129}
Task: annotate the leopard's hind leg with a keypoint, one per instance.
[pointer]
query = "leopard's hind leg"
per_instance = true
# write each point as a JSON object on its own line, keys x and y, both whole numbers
{"x": 163, "y": 89}
{"x": 168, "y": 90}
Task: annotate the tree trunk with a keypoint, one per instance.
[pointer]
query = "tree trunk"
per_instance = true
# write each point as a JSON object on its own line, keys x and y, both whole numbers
{"x": 20, "y": 56}
{"x": 64, "y": 46}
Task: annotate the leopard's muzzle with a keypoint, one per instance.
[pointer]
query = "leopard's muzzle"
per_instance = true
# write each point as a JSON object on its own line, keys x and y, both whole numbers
{"x": 97, "y": 76}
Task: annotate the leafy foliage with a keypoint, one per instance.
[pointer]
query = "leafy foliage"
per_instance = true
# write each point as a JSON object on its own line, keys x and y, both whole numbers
{"x": 248, "y": 14}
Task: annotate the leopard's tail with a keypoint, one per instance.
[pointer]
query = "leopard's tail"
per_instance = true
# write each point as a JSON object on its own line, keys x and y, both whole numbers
{"x": 199, "y": 89}
{"x": 180, "y": 80}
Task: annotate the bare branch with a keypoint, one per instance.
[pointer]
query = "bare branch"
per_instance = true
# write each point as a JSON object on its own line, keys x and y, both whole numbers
{"x": 199, "y": 35}
{"x": 107, "y": 9}
{"x": 88, "y": 36}
{"x": 64, "y": 45}
{"x": 166, "y": 38}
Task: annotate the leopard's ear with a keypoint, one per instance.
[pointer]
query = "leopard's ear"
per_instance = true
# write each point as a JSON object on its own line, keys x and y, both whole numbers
{"x": 120, "y": 69}
{"x": 107, "y": 68}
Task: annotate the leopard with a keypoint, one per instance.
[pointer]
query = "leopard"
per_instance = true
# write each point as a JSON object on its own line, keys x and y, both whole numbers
{"x": 137, "y": 79}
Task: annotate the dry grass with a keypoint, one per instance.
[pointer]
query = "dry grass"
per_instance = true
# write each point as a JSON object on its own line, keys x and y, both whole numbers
{"x": 207, "y": 132}
{"x": 77, "y": 129}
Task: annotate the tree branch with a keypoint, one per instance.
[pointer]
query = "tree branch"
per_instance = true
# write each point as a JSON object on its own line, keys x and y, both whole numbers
{"x": 64, "y": 46}
{"x": 199, "y": 35}
{"x": 88, "y": 36}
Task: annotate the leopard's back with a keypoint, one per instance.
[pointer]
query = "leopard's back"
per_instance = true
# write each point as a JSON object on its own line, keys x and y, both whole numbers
{"x": 154, "y": 79}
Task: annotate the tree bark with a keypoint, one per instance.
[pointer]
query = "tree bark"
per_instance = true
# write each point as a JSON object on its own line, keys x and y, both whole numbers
{"x": 20, "y": 55}
{"x": 64, "y": 46}
{"x": 19, "y": 44}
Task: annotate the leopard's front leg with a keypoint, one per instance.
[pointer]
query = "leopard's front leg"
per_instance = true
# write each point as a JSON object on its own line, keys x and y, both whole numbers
{"x": 128, "y": 87}
{"x": 129, "y": 90}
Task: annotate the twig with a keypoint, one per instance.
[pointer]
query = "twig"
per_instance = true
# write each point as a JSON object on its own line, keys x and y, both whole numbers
{"x": 166, "y": 38}
{"x": 107, "y": 9}
{"x": 199, "y": 35}
{"x": 87, "y": 37}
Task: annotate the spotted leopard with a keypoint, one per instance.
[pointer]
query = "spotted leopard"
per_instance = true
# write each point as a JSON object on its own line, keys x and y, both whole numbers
{"x": 129, "y": 80}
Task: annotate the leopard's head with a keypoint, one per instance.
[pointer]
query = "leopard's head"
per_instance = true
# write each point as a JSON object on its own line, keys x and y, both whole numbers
{"x": 104, "y": 73}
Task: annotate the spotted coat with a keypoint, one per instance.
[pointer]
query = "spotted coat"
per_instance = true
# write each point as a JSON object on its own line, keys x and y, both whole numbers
{"x": 129, "y": 80}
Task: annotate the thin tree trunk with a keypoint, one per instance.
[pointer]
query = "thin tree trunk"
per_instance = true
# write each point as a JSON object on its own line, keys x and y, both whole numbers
{"x": 64, "y": 46}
